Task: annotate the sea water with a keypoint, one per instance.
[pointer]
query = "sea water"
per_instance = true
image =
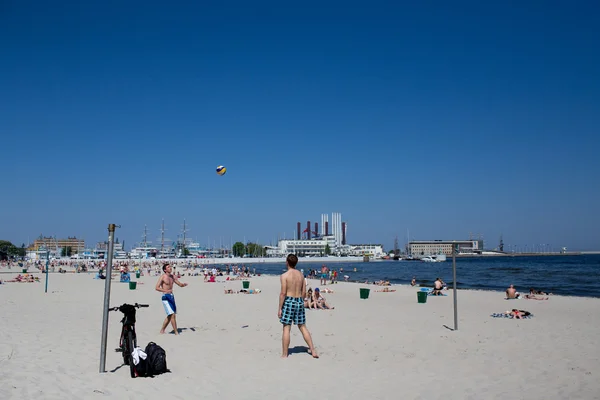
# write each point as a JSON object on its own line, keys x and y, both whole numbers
{"x": 571, "y": 275}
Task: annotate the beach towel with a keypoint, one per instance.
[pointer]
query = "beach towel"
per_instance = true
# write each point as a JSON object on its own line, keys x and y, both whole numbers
{"x": 138, "y": 353}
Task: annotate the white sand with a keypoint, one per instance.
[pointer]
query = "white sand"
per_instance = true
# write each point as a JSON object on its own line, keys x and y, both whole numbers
{"x": 387, "y": 346}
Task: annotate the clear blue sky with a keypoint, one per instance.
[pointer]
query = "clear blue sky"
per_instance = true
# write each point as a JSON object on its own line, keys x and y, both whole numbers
{"x": 443, "y": 119}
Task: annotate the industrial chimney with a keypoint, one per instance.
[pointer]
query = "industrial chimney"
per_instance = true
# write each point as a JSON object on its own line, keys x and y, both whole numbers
{"x": 299, "y": 228}
{"x": 308, "y": 230}
{"x": 343, "y": 233}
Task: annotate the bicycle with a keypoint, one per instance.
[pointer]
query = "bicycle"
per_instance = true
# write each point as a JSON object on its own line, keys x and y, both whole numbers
{"x": 128, "y": 339}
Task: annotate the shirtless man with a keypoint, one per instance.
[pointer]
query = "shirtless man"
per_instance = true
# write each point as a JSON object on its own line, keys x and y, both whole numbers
{"x": 511, "y": 293}
{"x": 165, "y": 286}
{"x": 291, "y": 306}
{"x": 438, "y": 287}
{"x": 324, "y": 275}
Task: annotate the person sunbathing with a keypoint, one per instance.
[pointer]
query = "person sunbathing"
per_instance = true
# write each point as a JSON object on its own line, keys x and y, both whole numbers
{"x": 320, "y": 301}
{"x": 438, "y": 286}
{"x": 511, "y": 293}
{"x": 533, "y": 291}
{"x": 535, "y": 297}
{"x": 308, "y": 300}
{"x": 386, "y": 289}
{"x": 382, "y": 283}
{"x": 249, "y": 291}
{"x": 519, "y": 314}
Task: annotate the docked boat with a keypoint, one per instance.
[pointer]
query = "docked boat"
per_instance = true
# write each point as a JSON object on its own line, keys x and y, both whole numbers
{"x": 434, "y": 258}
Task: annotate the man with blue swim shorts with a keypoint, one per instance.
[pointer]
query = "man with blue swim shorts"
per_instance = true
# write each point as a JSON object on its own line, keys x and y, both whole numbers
{"x": 291, "y": 306}
{"x": 165, "y": 286}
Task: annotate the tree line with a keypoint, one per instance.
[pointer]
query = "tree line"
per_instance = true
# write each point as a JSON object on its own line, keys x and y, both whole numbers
{"x": 9, "y": 250}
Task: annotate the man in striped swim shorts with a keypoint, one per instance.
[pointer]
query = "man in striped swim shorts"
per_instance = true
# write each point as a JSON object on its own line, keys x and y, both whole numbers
{"x": 291, "y": 306}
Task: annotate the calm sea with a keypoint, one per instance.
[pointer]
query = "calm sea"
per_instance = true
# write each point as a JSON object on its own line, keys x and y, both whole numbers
{"x": 576, "y": 275}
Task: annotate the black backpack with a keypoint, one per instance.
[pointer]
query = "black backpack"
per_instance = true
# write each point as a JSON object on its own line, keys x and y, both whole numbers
{"x": 156, "y": 360}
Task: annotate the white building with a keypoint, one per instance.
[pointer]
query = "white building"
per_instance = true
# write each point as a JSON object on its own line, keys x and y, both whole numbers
{"x": 371, "y": 250}
{"x": 433, "y": 247}
{"x": 303, "y": 247}
{"x": 317, "y": 248}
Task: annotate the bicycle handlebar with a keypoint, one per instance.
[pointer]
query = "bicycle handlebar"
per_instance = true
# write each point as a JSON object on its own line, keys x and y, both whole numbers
{"x": 136, "y": 305}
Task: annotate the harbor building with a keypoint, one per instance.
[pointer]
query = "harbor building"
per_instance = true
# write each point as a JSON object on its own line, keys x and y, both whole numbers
{"x": 42, "y": 242}
{"x": 374, "y": 251}
{"x": 304, "y": 247}
{"x": 433, "y": 247}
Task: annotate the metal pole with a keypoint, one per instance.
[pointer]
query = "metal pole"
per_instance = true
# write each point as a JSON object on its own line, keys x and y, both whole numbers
{"x": 111, "y": 241}
{"x": 47, "y": 266}
{"x": 454, "y": 287}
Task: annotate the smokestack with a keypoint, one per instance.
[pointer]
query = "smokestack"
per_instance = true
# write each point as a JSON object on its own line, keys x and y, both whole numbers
{"x": 316, "y": 228}
{"x": 308, "y": 230}
{"x": 343, "y": 233}
{"x": 299, "y": 228}
{"x": 326, "y": 228}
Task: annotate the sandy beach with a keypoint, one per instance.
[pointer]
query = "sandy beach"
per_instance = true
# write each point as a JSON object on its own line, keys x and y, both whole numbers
{"x": 386, "y": 346}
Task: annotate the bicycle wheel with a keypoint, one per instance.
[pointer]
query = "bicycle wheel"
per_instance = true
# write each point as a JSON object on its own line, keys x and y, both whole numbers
{"x": 129, "y": 356}
{"x": 123, "y": 345}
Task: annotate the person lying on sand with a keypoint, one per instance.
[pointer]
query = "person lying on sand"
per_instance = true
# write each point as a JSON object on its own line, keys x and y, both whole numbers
{"x": 243, "y": 291}
{"x": 535, "y": 297}
{"x": 386, "y": 289}
{"x": 519, "y": 314}
{"x": 382, "y": 283}
{"x": 533, "y": 291}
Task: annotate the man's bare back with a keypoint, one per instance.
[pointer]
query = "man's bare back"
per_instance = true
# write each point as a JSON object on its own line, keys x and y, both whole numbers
{"x": 294, "y": 283}
{"x": 291, "y": 299}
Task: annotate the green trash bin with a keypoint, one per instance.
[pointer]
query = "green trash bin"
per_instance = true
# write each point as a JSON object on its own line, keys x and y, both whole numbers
{"x": 132, "y": 285}
{"x": 246, "y": 284}
{"x": 137, "y": 274}
{"x": 422, "y": 297}
{"x": 24, "y": 271}
{"x": 364, "y": 293}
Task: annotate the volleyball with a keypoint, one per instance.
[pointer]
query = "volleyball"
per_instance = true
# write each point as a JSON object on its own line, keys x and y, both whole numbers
{"x": 221, "y": 170}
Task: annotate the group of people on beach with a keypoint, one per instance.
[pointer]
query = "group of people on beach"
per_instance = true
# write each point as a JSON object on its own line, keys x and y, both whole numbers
{"x": 22, "y": 278}
{"x": 293, "y": 299}
{"x": 512, "y": 294}
{"x": 315, "y": 300}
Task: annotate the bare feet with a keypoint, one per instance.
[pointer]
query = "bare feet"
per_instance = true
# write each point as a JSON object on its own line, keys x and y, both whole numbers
{"x": 313, "y": 353}
{"x": 162, "y": 332}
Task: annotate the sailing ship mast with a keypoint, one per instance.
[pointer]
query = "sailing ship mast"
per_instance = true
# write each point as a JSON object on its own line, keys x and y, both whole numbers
{"x": 162, "y": 237}
{"x": 184, "y": 231}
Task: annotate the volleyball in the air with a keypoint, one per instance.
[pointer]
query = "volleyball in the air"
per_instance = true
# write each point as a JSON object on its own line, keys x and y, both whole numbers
{"x": 221, "y": 170}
